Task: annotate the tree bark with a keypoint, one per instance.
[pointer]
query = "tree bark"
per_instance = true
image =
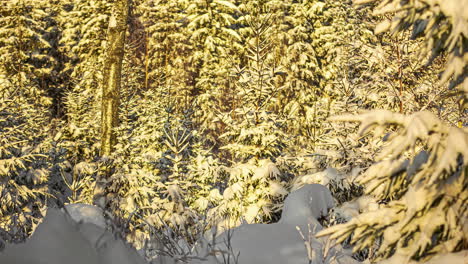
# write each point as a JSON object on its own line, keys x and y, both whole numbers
{"x": 112, "y": 76}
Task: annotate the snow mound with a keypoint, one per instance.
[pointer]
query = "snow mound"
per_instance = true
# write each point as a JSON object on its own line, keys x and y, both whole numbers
{"x": 56, "y": 240}
{"x": 281, "y": 242}
{"x": 263, "y": 243}
{"x": 59, "y": 239}
{"x": 304, "y": 206}
{"x": 272, "y": 244}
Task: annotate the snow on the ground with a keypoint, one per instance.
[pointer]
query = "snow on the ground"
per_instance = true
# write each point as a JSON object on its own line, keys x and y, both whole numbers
{"x": 61, "y": 240}
{"x": 79, "y": 236}
{"x": 55, "y": 241}
{"x": 274, "y": 244}
{"x": 281, "y": 242}
{"x": 324, "y": 177}
{"x": 304, "y": 206}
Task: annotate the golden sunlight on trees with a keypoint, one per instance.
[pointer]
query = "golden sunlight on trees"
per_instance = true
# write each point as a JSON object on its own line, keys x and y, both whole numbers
{"x": 191, "y": 122}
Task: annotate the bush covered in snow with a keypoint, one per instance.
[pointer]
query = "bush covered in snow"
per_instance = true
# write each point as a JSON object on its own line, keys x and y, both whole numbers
{"x": 421, "y": 177}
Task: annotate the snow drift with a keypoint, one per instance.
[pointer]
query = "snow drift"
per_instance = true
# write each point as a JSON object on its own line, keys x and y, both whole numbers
{"x": 291, "y": 240}
{"x": 78, "y": 235}
{"x": 60, "y": 239}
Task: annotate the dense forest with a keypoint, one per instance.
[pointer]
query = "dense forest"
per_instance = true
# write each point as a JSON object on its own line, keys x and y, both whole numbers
{"x": 178, "y": 117}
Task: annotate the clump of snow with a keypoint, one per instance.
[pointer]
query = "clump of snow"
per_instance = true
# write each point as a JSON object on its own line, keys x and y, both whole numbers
{"x": 305, "y": 205}
{"x": 324, "y": 177}
{"x": 357, "y": 206}
{"x": 367, "y": 203}
{"x": 348, "y": 210}
{"x": 86, "y": 213}
{"x": 265, "y": 169}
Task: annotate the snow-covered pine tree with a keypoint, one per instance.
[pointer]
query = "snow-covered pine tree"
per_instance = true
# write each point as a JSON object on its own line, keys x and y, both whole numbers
{"x": 253, "y": 129}
{"x": 314, "y": 37}
{"x": 319, "y": 33}
{"x": 216, "y": 42}
{"x": 448, "y": 42}
{"x": 421, "y": 176}
{"x": 370, "y": 64}
{"x": 253, "y": 136}
{"x": 373, "y": 62}
{"x": 84, "y": 25}
{"x": 27, "y": 65}
{"x": 160, "y": 178}
{"x": 167, "y": 64}
{"x": 421, "y": 173}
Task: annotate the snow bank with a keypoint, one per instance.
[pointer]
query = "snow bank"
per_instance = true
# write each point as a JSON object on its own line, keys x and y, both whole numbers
{"x": 273, "y": 244}
{"x": 264, "y": 244}
{"x": 79, "y": 237}
{"x": 61, "y": 240}
{"x": 56, "y": 240}
{"x": 281, "y": 242}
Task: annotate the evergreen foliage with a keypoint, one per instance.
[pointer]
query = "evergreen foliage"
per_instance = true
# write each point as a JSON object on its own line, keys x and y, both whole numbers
{"x": 83, "y": 40}
{"x": 442, "y": 24}
{"x": 419, "y": 175}
{"x": 225, "y": 108}
{"x": 25, "y": 101}
{"x": 424, "y": 181}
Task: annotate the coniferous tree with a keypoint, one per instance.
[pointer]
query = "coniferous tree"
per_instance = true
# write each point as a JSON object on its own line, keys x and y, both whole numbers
{"x": 26, "y": 68}
{"x": 83, "y": 40}
{"x": 253, "y": 131}
{"x": 167, "y": 48}
{"x": 216, "y": 45}
{"x": 420, "y": 173}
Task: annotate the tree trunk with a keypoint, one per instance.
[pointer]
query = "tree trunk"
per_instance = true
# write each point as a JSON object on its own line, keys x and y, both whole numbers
{"x": 112, "y": 75}
{"x": 111, "y": 93}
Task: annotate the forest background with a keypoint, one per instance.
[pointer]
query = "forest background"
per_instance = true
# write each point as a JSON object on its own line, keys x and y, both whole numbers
{"x": 226, "y": 106}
